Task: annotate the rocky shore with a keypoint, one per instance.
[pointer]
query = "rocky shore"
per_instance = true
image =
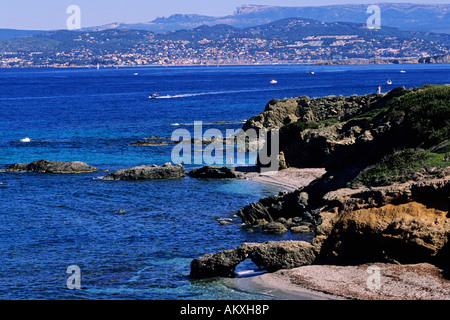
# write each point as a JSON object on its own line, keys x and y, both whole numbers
{"x": 383, "y": 199}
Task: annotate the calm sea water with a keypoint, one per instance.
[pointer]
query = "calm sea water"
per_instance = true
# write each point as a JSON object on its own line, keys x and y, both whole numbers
{"x": 50, "y": 222}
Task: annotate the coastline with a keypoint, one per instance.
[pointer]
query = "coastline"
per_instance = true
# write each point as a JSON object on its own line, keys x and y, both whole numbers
{"x": 393, "y": 61}
{"x": 325, "y": 282}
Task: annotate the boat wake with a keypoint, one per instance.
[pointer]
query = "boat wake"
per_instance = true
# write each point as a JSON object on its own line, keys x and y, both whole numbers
{"x": 187, "y": 95}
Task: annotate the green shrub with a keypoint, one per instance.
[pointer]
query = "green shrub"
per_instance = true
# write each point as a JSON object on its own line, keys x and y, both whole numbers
{"x": 426, "y": 112}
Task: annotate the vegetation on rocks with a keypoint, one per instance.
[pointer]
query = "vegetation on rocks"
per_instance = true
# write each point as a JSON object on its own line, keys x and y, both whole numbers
{"x": 403, "y": 166}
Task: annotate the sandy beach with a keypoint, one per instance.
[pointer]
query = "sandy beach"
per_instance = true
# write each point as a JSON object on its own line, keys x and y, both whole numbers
{"x": 396, "y": 282}
{"x": 288, "y": 180}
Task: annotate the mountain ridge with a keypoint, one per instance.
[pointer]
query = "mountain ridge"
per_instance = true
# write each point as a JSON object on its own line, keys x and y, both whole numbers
{"x": 407, "y": 16}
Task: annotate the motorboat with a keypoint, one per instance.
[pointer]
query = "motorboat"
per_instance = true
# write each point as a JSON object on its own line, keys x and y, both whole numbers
{"x": 154, "y": 96}
{"x": 389, "y": 82}
{"x": 273, "y": 81}
{"x": 402, "y": 71}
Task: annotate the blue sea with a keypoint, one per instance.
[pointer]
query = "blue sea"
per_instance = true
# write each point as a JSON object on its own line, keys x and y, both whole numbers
{"x": 135, "y": 240}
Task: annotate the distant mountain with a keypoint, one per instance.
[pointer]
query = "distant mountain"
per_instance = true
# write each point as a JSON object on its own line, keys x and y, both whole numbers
{"x": 406, "y": 16}
{"x": 291, "y": 40}
{"x": 7, "y": 34}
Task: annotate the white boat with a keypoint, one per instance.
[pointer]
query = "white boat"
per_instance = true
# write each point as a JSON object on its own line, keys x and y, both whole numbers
{"x": 402, "y": 71}
{"x": 389, "y": 82}
{"x": 312, "y": 72}
{"x": 154, "y": 96}
{"x": 273, "y": 81}
{"x": 26, "y": 140}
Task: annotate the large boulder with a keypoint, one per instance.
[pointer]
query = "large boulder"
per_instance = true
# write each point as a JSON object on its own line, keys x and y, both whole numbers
{"x": 406, "y": 223}
{"x": 53, "y": 167}
{"x": 147, "y": 172}
{"x": 210, "y": 172}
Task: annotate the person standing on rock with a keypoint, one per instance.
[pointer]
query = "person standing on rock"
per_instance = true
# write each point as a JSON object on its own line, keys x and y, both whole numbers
{"x": 379, "y": 90}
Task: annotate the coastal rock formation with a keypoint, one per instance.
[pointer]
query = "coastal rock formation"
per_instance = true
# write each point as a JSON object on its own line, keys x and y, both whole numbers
{"x": 270, "y": 256}
{"x": 385, "y": 196}
{"x": 210, "y": 172}
{"x": 53, "y": 167}
{"x": 147, "y": 172}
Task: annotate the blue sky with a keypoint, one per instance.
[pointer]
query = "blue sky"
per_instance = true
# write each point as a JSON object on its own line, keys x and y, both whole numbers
{"x": 51, "y": 14}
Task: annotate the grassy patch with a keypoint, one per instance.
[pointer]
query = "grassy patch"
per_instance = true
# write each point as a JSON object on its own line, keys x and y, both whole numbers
{"x": 401, "y": 167}
{"x": 329, "y": 122}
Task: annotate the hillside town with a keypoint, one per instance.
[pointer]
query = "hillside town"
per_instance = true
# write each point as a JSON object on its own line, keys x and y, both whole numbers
{"x": 134, "y": 48}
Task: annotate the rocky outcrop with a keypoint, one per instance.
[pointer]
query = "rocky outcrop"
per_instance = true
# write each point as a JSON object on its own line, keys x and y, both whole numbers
{"x": 147, "y": 172}
{"x": 291, "y": 209}
{"x": 351, "y": 133}
{"x": 210, "y": 172}
{"x": 404, "y": 233}
{"x": 46, "y": 166}
{"x": 270, "y": 256}
{"x": 279, "y": 113}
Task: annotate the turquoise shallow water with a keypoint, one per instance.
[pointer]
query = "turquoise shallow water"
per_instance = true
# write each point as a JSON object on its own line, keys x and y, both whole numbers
{"x": 49, "y": 222}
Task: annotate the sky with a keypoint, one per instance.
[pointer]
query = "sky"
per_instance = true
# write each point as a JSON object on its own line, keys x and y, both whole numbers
{"x": 52, "y": 14}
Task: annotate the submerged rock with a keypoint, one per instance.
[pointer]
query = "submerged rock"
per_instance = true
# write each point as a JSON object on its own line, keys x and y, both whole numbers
{"x": 210, "y": 172}
{"x": 53, "y": 167}
{"x": 149, "y": 143}
{"x": 147, "y": 172}
{"x": 274, "y": 228}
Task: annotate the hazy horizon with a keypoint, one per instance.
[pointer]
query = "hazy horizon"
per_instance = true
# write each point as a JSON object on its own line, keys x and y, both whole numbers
{"x": 51, "y": 15}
